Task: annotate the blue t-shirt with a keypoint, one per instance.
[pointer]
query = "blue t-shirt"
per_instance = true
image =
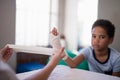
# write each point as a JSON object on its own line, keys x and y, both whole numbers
{"x": 112, "y": 63}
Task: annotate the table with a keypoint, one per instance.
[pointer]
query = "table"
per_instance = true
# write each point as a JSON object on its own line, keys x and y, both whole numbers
{"x": 62, "y": 72}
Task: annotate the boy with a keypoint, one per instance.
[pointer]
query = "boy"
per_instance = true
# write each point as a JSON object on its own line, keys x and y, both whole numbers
{"x": 101, "y": 58}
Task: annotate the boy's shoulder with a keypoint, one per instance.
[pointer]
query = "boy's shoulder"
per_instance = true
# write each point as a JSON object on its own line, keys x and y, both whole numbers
{"x": 114, "y": 53}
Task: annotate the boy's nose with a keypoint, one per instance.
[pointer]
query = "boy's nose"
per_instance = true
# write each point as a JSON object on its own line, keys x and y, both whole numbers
{"x": 96, "y": 40}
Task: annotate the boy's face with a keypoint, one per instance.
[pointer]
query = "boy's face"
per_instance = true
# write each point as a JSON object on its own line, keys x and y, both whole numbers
{"x": 100, "y": 39}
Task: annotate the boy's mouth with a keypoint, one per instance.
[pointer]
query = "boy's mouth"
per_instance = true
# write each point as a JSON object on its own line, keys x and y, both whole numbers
{"x": 96, "y": 46}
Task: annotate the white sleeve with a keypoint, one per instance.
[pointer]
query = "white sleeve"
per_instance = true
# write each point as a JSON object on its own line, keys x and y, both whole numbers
{"x": 6, "y": 73}
{"x": 86, "y": 52}
{"x": 116, "y": 66}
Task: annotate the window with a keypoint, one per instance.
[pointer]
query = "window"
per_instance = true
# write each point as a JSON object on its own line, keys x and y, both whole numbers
{"x": 32, "y": 22}
{"x": 87, "y": 14}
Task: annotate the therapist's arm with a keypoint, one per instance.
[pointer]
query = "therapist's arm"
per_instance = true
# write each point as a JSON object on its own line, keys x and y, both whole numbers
{"x": 45, "y": 72}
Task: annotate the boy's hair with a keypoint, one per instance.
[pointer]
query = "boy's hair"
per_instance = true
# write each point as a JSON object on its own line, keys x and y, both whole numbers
{"x": 106, "y": 25}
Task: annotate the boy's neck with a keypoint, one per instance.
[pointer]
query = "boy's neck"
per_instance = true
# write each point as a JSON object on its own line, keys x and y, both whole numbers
{"x": 101, "y": 52}
{"x": 102, "y": 56}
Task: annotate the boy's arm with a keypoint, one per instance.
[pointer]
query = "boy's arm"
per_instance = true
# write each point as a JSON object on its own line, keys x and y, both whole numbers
{"x": 116, "y": 74}
{"x": 75, "y": 61}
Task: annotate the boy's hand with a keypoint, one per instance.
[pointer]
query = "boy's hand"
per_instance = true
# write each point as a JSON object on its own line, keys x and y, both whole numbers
{"x": 55, "y": 40}
{"x": 54, "y": 32}
{"x": 6, "y": 53}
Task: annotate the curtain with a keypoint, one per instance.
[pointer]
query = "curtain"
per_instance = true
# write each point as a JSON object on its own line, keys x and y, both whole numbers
{"x": 32, "y": 22}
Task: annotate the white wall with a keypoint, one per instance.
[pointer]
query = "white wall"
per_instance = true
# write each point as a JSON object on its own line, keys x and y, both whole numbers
{"x": 7, "y": 25}
{"x": 110, "y": 9}
{"x": 71, "y": 23}
{"x": 61, "y": 16}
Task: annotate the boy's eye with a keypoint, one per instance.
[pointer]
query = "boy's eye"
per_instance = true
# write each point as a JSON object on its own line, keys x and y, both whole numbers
{"x": 93, "y": 36}
{"x": 102, "y": 37}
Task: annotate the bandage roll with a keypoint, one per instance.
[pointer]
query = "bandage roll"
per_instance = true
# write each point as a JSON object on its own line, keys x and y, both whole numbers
{"x": 31, "y": 49}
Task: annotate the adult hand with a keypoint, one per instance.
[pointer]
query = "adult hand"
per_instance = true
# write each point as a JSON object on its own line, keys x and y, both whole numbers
{"x": 6, "y": 53}
{"x": 57, "y": 56}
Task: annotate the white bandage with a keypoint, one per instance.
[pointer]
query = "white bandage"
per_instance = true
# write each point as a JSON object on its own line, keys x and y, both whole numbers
{"x": 31, "y": 49}
{"x": 55, "y": 42}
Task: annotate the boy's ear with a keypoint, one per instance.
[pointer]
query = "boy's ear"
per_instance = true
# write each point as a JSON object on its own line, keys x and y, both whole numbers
{"x": 111, "y": 40}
